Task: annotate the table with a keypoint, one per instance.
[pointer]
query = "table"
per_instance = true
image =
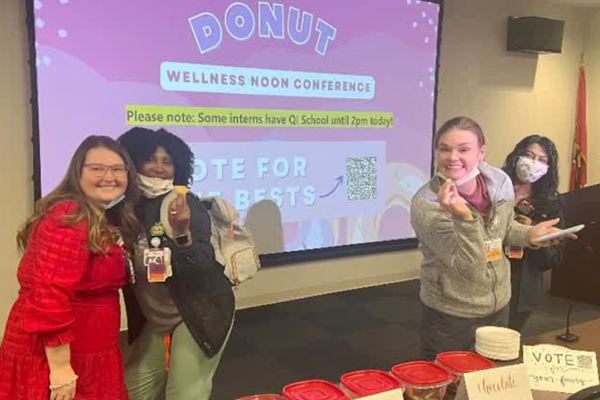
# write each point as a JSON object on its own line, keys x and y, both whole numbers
{"x": 589, "y": 333}
{"x": 589, "y": 340}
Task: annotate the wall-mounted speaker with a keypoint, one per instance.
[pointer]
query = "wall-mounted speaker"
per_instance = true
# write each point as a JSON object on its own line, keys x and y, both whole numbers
{"x": 535, "y": 35}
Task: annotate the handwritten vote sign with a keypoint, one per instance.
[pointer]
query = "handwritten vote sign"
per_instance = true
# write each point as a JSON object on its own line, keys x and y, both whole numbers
{"x": 496, "y": 384}
{"x": 558, "y": 369}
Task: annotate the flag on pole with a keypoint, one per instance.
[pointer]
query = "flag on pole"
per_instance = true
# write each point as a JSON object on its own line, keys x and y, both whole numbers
{"x": 579, "y": 160}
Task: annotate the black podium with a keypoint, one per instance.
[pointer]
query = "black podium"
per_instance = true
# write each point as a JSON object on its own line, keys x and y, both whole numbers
{"x": 578, "y": 277}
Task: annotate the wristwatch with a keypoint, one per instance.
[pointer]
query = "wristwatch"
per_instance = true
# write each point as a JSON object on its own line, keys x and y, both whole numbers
{"x": 183, "y": 239}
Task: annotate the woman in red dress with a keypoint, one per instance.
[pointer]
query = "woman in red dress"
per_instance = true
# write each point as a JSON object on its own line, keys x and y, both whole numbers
{"x": 62, "y": 336}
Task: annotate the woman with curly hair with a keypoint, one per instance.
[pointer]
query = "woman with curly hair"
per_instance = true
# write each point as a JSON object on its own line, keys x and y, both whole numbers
{"x": 180, "y": 312}
{"x": 533, "y": 169}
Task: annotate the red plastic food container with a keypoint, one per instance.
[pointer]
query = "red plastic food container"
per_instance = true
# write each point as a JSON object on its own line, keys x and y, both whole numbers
{"x": 423, "y": 380}
{"x": 459, "y": 363}
{"x": 263, "y": 397}
{"x": 314, "y": 390}
{"x": 369, "y": 382}
{"x": 462, "y": 362}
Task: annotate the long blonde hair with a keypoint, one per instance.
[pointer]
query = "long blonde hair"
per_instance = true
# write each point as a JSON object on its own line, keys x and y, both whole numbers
{"x": 102, "y": 224}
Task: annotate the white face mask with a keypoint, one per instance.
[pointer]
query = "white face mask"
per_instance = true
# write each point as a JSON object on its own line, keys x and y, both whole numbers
{"x": 114, "y": 202}
{"x": 530, "y": 170}
{"x": 154, "y": 187}
{"x": 474, "y": 173}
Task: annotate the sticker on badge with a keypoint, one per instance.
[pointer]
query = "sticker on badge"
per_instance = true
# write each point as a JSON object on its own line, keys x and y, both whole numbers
{"x": 155, "y": 241}
{"x": 493, "y": 250}
{"x": 157, "y": 230}
{"x": 158, "y": 264}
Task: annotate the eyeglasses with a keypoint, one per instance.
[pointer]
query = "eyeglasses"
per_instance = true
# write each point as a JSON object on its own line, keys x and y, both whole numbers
{"x": 100, "y": 170}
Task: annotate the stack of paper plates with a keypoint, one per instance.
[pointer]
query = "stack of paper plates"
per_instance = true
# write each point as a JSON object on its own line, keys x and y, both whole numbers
{"x": 498, "y": 343}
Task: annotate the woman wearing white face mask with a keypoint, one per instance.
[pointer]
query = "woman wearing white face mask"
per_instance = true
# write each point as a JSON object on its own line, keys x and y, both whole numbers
{"x": 462, "y": 222}
{"x": 533, "y": 168}
{"x": 179, "y": 315}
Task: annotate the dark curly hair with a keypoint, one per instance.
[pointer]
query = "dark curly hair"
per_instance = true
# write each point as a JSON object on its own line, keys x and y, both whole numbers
{"x": 545, "y": 189}
{"x": 141, "y": 143}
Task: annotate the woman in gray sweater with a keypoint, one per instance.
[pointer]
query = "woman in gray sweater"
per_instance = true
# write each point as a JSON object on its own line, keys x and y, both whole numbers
{"x": 463, "y": 218}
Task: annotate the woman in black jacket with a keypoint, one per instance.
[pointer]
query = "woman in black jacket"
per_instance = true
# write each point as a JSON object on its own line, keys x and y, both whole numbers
{"x": 179, "y": 313}
{"x": 533, "y": 168}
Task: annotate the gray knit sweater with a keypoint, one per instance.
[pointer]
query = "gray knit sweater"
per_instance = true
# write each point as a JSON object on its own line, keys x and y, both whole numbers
{"x": 456, "y": 278}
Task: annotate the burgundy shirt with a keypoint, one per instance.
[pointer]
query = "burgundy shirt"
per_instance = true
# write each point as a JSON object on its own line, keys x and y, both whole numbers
{"x": 481, "y": 198}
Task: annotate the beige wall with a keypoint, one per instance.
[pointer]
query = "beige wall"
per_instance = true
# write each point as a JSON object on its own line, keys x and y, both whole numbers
{"x": 592, "y": 64}
{"x": 16, "y": 165}
{"x": 510, "y": 94}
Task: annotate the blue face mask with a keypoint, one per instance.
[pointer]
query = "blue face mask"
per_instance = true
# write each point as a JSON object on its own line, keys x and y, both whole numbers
{"x": 114, "y": 202}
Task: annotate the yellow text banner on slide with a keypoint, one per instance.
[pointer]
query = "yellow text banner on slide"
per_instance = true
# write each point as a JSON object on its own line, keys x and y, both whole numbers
{"x": 247, "y": 117}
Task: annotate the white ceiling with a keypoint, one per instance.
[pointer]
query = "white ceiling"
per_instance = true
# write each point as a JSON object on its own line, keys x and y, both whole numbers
{"x": 577, "y": 3}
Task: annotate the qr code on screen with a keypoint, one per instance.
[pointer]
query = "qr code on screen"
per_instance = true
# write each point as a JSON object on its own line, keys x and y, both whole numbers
{"x": 585, "y": 362}
{"x": 362, "y": 178}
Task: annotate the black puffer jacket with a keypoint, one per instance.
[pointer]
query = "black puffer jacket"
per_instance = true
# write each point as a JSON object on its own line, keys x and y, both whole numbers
{"x": 199, "y": 287}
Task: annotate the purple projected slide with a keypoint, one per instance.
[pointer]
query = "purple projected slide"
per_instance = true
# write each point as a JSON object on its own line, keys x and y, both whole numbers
{"x": 324, "y": 108}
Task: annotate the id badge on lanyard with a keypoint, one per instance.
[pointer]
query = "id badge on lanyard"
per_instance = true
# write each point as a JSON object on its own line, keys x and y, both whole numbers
{"x": 157, "y": 260}
{"x": 158, "y": 264}
{"x": 493, "y": 250}
{"x": 515, "y": 252}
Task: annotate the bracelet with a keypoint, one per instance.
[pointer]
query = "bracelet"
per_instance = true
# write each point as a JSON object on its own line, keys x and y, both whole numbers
{"x": 64, "y": 384}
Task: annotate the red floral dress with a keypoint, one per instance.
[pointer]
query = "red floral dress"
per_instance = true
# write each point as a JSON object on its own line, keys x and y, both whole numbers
{"x": 67, "y": 295}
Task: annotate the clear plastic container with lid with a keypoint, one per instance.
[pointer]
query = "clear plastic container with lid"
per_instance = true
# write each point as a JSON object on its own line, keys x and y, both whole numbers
{"x": 459, "y": 363}
{"x": 423, "y": 380}
{"x": 314, "y": 390}
{"x": 370, "y": 382}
